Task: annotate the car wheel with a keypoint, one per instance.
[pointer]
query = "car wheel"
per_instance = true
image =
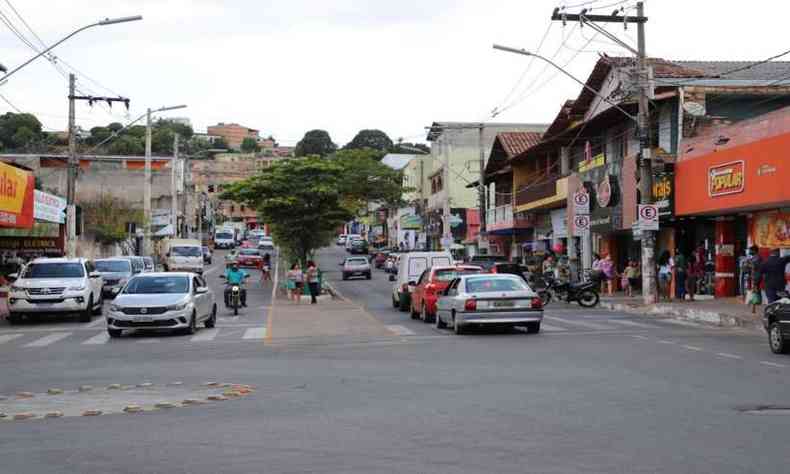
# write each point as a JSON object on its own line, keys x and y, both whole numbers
{"x": 85, "y": 316}
{"x": 114, "y": 333}
{"x": 368, "y": 276}
{"x": 776, "y": 339}
{"x": 533, "y": 328}
{"x": 192, "y": 329}
{"x": 212, "y": 320}
{"x": 438, "y": 321}
{"x": 414, "y": 314}
{"x": 394, "y": 303}
{"x": 426, "y": 318}
{"x": 14, "y": 318}
{"x": 403, "y": 302}
{"x": 458, "y": 328}
{"x": 345, "y": 277}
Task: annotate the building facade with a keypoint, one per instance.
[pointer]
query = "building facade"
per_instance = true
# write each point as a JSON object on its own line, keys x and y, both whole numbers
{"x": 233, "y": 133}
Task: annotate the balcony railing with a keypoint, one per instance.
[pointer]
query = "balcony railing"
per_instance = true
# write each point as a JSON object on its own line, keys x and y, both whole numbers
{"x": 502, "y": 218}
{"x": 534, "y": 192}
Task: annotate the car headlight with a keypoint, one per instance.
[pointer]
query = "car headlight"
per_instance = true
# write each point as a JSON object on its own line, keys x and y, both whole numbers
{"x": 122, "y": 281}
{"x": 115, "y": 307}
{"x": 77, "y": 288}
{"x": 178, "y": 307}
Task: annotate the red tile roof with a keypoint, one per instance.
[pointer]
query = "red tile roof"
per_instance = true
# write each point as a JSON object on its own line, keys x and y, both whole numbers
{"x": 514, "y": 143}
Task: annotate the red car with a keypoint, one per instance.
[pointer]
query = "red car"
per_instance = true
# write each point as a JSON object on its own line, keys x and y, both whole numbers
{"x": 249, "y": 257}
{"x": 431, "y": 284}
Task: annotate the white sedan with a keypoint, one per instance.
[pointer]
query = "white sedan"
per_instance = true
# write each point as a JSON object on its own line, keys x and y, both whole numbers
{"x": 176, "y": 301}
{"x": 489, "y": 300}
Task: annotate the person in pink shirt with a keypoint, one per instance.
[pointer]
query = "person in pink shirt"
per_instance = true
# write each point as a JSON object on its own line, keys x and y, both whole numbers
{"x": 607, "y": 267}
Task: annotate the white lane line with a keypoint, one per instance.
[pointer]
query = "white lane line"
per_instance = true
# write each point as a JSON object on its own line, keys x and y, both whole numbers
{"x": 692, "y": 348}
{"x": 681, "y": 323}
{"x": 664, "y": 341}
{"x": 399, "y": 330}
{"x": 625, "y": 322}
{"x": 575, "y": 322}
{"x": 205, "y": 335}
{"x": 9, "y": 337}
{"x": 95, "y": 323}
{"x": 100, "y": 338}
{"x": 728, "y": 356}
{"x": 550, "y": 328}
{"x": 772, "y": 364}
{"x": 47, "y": 340}
{"x": 254, "y": 333}
{"x": 640, "y": 337}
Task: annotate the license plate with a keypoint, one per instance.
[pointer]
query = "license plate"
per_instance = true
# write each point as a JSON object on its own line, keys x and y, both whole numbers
{"x": 504, "y": 304}
{"x": 143, "y": 319}
{"x": 44, "y": 303}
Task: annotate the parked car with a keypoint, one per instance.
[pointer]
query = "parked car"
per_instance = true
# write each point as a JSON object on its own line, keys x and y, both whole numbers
{"x": 266, "y": 246}
{"x": 249, "y": 257}
{"x": 489, "y": 300}
{"x": 431, "y": 284}
{"x": 487, "y": 261}
{"x": 380, "y": 258}
{"x": 410, "y": 266}
{"x": 224, "y": 239}
{"x": 341, "y": 239}
{"x": 511, "y": 269}
{"x": 138, "y": 263}
{"x": 776, "y": 320}
{"x": 349, "y": 239}
{"x": 149, "y": 265}
{"x": 177, "y": 301}
{"x": 207, "y": 255}
{"x": 183, "y": 255}
{"x": 56, "y": 285}
{"x": 359, "y": 246}
{"x": 115, "y": 272}
{"x": 356, "y": 266}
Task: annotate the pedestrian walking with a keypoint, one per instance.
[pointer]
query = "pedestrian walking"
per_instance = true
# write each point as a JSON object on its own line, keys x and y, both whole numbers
{"x": 696, "y": 271}
{"x": 266, "y": 265}
{"x": 680, "y": 270}
{"x": 311, "y": 275}
{"x": 631, "y": 276}
{"x": 665, "y": 275}
{"x": 773, "y": 274}
{"x": 294, "y": 283}
{"x": 609, "y": 274}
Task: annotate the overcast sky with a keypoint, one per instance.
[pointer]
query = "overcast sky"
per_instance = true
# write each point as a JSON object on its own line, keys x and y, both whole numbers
{"x": 287, "y": 66}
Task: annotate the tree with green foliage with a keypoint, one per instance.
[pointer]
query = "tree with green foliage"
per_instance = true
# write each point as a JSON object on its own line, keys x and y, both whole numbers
{"x": 315, "y": 142}
{"x": 99, "y": 134}
{"x": 250, "y": 145}
{"x": 106, "y": 216}
{"x": 18, "y": 131}
{"x": 126, "y": 145}
{"x": 371, "y": 138}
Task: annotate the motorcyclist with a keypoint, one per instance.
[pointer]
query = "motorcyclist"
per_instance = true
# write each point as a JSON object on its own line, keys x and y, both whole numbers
{"x": 235, "y": 276}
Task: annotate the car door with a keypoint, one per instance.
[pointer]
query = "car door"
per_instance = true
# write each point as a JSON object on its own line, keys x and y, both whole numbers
{"x": 419, "y": 290}
{"x": 199, "y": 298}
{"x": 95, "y": 283}
{"x": 444, "y": 304}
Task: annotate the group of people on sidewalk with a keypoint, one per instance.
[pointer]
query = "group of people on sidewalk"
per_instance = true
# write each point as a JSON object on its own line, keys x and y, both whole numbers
{"x": 296, "y": 280}
{"x": 764, "y": 275}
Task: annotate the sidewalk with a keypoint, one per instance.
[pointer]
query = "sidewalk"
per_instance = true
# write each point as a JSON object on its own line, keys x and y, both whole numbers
{"x": 719, "y": 312}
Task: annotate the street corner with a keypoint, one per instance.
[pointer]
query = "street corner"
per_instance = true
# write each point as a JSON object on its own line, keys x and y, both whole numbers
{"x": 115, "y": 398}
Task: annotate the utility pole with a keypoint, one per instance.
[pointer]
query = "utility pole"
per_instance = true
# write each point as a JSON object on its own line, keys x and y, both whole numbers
{"x": 447, "y": 233}
{"x": 174, "y": 188}
{"x": 73, "y": 164}
{"x": 147, "y": 187}
{"x": 481, "y": 187}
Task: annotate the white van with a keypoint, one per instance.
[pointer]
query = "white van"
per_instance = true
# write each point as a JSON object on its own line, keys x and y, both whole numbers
{"x": 350, "y": 238}
{"x": 410, "y": 268}
{"x": 183, "y": 255}
{"x": 224, "y": 239}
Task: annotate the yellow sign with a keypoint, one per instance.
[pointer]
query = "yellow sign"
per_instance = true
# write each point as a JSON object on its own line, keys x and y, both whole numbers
{"x": 13, "y": 188}
{"x": 594, "y": 162}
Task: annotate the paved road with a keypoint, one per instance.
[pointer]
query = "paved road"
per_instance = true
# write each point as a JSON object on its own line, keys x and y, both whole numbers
{"x": 596, "y": 392}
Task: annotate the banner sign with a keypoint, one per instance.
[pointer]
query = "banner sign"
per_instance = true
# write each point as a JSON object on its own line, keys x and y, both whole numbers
{"x": 49, "y": 208}
{"x": 725, "y": 179}
{"x": 48, "y": 245}
{"x": 664, "y": 193}
{"x": 771, "y": 229}
{"x": 16, "y": 197}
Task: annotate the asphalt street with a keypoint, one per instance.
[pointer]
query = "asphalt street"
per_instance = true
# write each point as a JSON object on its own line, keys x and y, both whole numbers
{"x": 595, "y": 391}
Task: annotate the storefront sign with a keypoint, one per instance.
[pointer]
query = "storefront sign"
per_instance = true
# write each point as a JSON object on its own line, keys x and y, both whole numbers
{"x": 16, "y": 197}
{"x": 594, "y": 162}
{"x": 604, "y": 192}
{"x": 49, "y": 208}
{"x": 411, "y": 222}
{"x": 49, "y": 245}
{"x": 726, "y": 179}
{"x": 664, "y": 193}
{"x": 771, "y": 229}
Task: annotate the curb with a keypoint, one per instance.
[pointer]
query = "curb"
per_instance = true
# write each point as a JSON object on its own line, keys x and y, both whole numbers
{"x": 703, "y": 316}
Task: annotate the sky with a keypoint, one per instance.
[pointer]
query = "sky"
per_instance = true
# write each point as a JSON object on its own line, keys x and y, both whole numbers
{"x": 288, "y": 66}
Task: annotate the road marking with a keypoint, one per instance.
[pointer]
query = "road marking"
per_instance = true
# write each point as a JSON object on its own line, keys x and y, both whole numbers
{"x": 100, "y": 338}
{"x": 9, "y": 337}
{"x": 205, "y": 335}
{"x": 664, "y": 341}
{"x": 772, "y": 364}
{"x": 630, "y": 323}
{"x": 575, "y": 322}
{"x": 640, "y": 337}
{"x": 728, "y": 356}
{"x": 550, "y": 328}
{"x": 254, "y": 333}
{"x": 47, "y": 340}
{"x": 399, "y": 330}
{"x": 692, "y": 348}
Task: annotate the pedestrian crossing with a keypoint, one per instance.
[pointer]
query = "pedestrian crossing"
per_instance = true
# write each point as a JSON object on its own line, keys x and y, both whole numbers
{"x": 97, "y": 336}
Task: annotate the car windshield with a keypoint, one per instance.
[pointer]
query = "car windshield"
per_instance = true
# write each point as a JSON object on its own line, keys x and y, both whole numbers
{"x": 113, "y": 266}
{"x": 356, "y": 261}
{"x": 224, "y": 236}
{"x": 451, "y": 274}
{"x": 55, "y": 270}
{"x": 488, "y": 285}
{"x": 157, "y": 285}
{"x": 250, "y": 252}
{"x": 186, "y": 251}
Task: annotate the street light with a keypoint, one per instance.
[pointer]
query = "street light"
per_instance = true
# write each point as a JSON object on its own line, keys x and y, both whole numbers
{"x": 147, "y": 184}
{"x": 106, "y": 21}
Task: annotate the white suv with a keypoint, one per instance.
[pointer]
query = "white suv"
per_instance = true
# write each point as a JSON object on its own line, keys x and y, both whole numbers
{"x": 56, "y": 285}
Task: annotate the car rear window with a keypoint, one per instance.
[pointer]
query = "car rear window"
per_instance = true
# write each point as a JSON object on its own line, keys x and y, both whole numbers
{"x": 451, "y": 274}
{"x": 357, "y": 261}
{"x": 113, "y": 266}
{"x": 250, "y": 252}
{"x": 488, "y": 285}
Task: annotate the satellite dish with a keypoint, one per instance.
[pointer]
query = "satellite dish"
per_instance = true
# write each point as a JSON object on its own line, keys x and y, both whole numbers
{"x": 694, "y": 109}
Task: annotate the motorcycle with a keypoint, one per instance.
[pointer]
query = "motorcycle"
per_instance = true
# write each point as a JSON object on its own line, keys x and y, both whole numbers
{"x": 584, "y": 293}
{"x": 233, "y": 300}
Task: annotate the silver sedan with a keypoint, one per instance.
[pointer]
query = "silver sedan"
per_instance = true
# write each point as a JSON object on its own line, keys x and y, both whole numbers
{"x": 489, "y": 299}
{"x": 176, "y": 301}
